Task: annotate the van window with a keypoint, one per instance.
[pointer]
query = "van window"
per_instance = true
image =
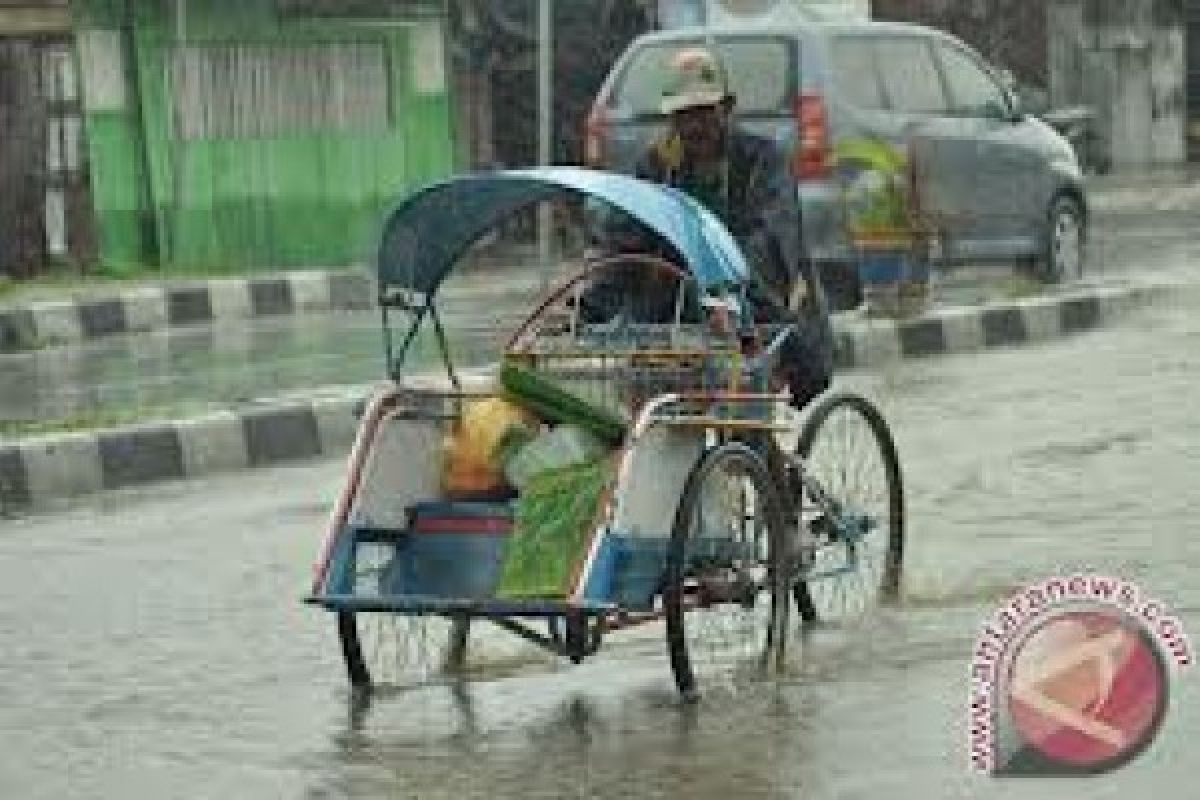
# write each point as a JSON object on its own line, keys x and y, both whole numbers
{"x": 910, "y": 76}
{"x": 760, "y": 74}
{"x": 855, "y": 73}
{"x": 972, "y": 91}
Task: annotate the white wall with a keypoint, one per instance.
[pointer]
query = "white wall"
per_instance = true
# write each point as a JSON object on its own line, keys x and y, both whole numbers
{"x": 679, "y": 13}
{"x": 1129, "y": 64}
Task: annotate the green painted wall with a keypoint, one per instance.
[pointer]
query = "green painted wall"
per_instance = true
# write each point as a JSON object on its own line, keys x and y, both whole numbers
{"x": 313, "y": 198}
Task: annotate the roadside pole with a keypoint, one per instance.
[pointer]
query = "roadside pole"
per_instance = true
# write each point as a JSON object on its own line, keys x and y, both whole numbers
{"x": 545, "y": 127}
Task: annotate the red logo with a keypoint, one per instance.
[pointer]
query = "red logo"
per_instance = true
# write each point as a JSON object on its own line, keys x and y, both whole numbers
{"x": 1086, "y": 690}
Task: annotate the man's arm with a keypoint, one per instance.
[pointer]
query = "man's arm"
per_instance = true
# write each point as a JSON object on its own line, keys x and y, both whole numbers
{"x": 792, "y": 289}
{"x": 773, "y": 237}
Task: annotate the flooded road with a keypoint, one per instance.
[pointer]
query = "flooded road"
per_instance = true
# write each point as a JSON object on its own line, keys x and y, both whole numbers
{"x": 154, "y": 644}
{"x": 186, "y": 371}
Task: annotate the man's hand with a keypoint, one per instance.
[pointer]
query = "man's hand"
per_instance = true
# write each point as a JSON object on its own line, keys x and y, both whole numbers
{"x": 799, "y": 295}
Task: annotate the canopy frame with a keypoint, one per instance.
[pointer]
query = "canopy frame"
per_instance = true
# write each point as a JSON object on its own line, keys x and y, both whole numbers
{"x": 426, "y": 235}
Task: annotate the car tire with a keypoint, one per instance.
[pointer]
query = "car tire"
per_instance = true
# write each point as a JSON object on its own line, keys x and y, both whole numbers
{"x": 1063, "y": 249}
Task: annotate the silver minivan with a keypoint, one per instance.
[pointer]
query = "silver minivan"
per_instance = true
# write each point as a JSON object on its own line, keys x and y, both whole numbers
{"x": 1001, "y": 185}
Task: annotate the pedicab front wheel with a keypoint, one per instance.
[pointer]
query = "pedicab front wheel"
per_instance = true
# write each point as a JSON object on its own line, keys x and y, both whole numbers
{"x": 857, "y": 529}
{"x": 725, "y": 590}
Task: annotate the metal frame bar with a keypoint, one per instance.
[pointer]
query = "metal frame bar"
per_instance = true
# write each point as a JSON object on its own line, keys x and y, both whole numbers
{"x": 555, "y": 645}
{"x": 443, "y": 346}
{"x": 396, "y": 363}
{"x": 430, "y": 605}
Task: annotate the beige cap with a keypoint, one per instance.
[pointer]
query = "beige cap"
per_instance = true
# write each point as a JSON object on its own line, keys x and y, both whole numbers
{"x": 697, "y": 79}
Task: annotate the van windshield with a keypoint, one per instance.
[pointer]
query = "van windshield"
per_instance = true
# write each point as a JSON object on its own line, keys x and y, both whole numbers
{"x": 760, "y": 71}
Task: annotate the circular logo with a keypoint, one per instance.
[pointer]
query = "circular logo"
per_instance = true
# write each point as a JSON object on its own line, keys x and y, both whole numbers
{"x": 1087, "y": 689}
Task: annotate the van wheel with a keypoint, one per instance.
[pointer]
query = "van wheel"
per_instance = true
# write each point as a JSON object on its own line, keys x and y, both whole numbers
{"x": 1062, "y": 259}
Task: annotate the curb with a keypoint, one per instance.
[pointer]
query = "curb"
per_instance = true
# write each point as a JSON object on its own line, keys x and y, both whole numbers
{"x": 148, "y": 308}
{"x": 36, "y": 471}
{"x": 966, "y": 330}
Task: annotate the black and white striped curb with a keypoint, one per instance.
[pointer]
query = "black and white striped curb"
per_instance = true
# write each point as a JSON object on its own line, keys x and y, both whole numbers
{"x": 37, "y": 471}
{"x": 151, "y": 308}
{"x": 874, "y": 343}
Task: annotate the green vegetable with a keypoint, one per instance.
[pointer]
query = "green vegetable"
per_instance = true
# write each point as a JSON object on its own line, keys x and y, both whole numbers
{"x": 554, "y": 518}
{"x": 554, "y": 403}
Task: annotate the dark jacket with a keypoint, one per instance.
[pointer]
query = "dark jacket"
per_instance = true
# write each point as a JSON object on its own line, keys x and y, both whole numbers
{"x": 756, "y": 199}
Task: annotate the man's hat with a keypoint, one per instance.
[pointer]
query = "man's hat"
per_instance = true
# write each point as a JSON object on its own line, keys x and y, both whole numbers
{"x": 697, "y": 79}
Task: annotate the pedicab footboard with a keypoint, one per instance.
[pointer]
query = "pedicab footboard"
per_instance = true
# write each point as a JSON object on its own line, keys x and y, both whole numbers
{"x": 417, "y": 605}
{"x": 460, "y": 571}
{"x": 435, "y": 575}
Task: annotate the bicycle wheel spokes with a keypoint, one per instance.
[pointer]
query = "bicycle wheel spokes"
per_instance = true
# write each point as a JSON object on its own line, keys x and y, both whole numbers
{"x": 728, "y": 621}
{"x": 721, "y": 604}
{"x": 391, "y": 650}
{"x": 858, "y": 534}
{"x": 404, "y": 650}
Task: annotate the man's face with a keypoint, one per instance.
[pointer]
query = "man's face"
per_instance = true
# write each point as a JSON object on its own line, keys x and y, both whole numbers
{"x": 702, "y": 129}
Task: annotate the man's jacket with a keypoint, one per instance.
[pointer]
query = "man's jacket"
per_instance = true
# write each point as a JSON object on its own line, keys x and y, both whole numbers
{"x": 753, "y": 194}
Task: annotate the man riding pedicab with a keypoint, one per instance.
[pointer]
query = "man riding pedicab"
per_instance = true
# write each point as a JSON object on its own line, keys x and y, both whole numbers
{"x": 745, "y": 181}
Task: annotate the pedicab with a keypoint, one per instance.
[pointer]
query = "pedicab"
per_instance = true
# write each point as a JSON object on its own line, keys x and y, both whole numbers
{"x": 631, "y": 480}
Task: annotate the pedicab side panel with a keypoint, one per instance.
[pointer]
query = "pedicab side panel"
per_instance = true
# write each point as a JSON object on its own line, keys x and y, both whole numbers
{"x": 625, "y": 564}
{"x": 403, "y": 469}
{"x": 394, "y": 464}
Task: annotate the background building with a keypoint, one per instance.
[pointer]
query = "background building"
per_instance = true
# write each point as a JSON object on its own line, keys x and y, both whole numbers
{"x": 1136, "y": 63}
{"x": 228, "y": 133}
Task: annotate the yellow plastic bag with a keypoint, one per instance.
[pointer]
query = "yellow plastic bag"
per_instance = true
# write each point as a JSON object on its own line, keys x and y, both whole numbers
{"x": 475, "y": 451}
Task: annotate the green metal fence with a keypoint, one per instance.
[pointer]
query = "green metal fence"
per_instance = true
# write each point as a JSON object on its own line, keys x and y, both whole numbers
{"x": 224, "y": 134}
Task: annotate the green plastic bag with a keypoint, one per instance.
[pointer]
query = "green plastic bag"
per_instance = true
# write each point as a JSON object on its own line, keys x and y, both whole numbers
{"x": 555, "y": 514}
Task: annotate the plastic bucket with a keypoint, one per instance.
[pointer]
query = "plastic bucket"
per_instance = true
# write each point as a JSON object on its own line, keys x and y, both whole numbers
{"x": 451, "y": 550}
{"x": 882, "y": 267}
{"x": 894, "y": 282}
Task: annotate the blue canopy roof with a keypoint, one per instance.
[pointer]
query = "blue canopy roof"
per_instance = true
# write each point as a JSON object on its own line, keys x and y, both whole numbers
{"x": 429, "y": 231}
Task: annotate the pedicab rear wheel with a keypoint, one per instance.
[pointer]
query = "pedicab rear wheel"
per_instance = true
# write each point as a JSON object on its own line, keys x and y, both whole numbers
{"x": 846, "y": 446}
{"x": 384, "y": 649}
{"x": 390, "y": 649}
{"x": 725, "y": 590}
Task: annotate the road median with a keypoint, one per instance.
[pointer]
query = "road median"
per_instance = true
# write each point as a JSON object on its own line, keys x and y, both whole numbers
{"x": 39, "y": 471}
